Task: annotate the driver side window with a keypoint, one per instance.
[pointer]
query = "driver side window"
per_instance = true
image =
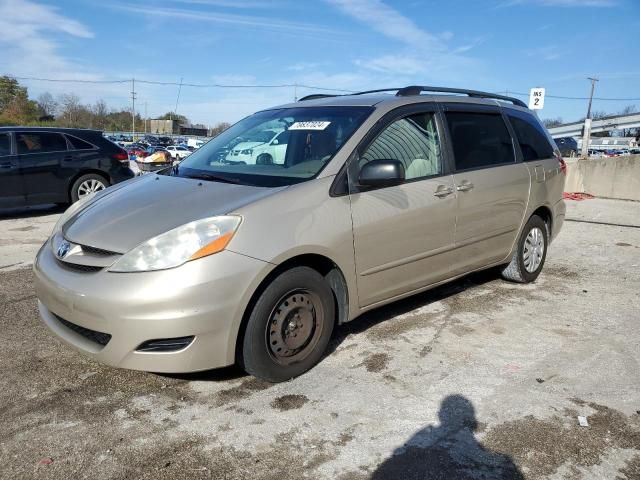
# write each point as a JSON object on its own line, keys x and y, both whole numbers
{"x": 411, "y": 140}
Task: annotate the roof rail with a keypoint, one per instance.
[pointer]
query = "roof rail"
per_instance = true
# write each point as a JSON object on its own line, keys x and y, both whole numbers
{"x": 417, "y": 89}
{"x": 315, "y": 96}
{"x": 380, "y": 90}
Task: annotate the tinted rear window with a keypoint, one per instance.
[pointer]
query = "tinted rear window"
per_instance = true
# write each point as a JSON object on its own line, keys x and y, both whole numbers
{"x": 5, "y": 144}
{"x": 532, "y": 138}
{"x": 78, "y": 144}
{"x": 479, "y": 140}
{"x": 40, "y": 142}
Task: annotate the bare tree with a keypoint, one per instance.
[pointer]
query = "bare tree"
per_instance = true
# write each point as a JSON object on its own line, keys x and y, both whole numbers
{"x": 629, "y": 109}
{"x": 47, "y": 105}
{"x": 552, "y": 122}
{"x": 69, "y": 108}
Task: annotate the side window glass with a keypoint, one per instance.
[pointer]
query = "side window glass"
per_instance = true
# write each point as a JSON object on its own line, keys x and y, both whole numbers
{"x": 78, "y": 144}
{"x": 411, "y": 140}
{"x": 532, "y": 139}
{"x": 40, "y": 142}
{"x": 479, "y": 140}
{"x": 5, "y": 144}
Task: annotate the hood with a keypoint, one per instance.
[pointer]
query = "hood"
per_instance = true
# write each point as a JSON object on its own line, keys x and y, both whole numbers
{"x": 127, "y": 216}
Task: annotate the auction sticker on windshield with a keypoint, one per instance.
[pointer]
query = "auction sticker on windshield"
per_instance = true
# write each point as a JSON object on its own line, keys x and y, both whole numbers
{"x": 309, "y": 125}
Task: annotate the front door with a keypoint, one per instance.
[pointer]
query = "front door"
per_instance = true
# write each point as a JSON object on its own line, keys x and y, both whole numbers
{"x": 493, "y": 188}
{"x": 403, "y": 234}
{"x": 11, "y": 185}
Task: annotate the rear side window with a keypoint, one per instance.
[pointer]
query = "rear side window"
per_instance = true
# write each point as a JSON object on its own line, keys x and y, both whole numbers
{"x": 77, "y": 144}
{"x": 479, "y": 140}
{"x": 5, "y": 144}
{"x": 532, "y": 138}
{"x": 413, "y": 141}
{"x": 40, "y": 142}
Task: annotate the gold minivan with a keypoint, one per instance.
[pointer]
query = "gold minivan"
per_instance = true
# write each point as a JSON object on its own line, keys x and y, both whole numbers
{"x": 364, "y": 199}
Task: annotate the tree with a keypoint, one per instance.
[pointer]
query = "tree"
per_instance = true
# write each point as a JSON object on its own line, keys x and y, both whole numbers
{"x": 219, "y": 128}
{"x": 552, "y": 122}
{"x": 179, "y": 119}
{"x": 9, "y": 89}
{"x": 100, "y": 112}
{"x": 628, "y": 110}
{"x": 47, "y": 105}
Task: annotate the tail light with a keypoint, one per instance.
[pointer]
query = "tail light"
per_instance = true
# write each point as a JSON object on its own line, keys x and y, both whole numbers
{"x": 121, "y": 156}
{"x": 563, "y": 164}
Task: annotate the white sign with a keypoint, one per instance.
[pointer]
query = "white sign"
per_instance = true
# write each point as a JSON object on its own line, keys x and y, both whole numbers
{"x": 536, "y": 98}
{"x": 314, "y": 125}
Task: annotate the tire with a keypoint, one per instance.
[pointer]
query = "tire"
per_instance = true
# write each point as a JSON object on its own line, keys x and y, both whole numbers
{"x": 87, "y": 184}
{"x": 289, "y": 326}
{"x": 264, "y": 159}
{"x": 526, "y": 266}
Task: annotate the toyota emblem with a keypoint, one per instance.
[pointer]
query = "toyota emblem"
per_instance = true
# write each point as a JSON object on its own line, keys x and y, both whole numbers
{"x": 63, "y": 249}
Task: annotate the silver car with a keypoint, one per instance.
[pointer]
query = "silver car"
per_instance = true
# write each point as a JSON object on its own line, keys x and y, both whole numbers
{"x": 379, "y": 195}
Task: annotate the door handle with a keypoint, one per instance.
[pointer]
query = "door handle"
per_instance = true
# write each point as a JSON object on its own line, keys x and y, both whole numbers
{"x": 68, "y": 158}
{"x": 465, "y": 186}
{"x": 6, "y": 165}
{"x": 442, "y": 191}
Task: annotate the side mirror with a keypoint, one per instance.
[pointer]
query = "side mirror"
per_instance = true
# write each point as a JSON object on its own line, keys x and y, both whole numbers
{"x": 381, "y": 173}
{"x": 275, "y": 142}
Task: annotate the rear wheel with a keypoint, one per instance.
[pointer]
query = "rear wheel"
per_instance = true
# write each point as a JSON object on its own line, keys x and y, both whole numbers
{"x": 531, "y": 252}
{"x": 86, "y": 185}
{"x": 289, "y": 327}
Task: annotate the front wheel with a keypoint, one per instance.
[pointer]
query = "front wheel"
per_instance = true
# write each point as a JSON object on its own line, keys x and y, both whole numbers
{"x": 531, "y": 252}
{"x": 289, "y": 327}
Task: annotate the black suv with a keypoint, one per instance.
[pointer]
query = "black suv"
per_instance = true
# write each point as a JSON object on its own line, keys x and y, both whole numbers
{"x": 567, "y": 145}
{"x": 57, "y": 165}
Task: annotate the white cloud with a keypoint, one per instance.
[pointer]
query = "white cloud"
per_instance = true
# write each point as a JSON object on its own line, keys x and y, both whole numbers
{"x": 426, "y": 55}
{"x": 25, "y": 38}
{"x": 563, "y": 3}
{"x": 389, "y": 22}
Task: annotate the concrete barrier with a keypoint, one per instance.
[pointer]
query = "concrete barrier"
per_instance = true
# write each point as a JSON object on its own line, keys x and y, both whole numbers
{"x": 616, "y": 177}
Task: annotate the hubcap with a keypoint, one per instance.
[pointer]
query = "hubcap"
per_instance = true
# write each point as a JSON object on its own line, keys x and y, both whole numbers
{"x": 90, "y": 186}
{"x": 294, "y": 327}
{"x": 533, "y": 250}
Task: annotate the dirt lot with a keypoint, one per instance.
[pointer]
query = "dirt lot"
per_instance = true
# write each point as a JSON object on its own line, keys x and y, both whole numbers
{"x": 477, "y": 379}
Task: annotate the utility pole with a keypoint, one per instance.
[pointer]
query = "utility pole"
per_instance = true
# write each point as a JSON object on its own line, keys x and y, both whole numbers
{"x": 295, "y": 92}
{"x": 586, "y": 137}
{"x": 145, "y": 117}
{"x": 133, "y": 108}
{"x": 175, "y": 110}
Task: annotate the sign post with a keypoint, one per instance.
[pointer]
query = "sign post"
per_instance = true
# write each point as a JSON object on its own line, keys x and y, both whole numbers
{"x": 536, "y": 98}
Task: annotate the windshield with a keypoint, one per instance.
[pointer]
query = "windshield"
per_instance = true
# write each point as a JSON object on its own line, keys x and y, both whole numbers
{"x": 274, "y": 147}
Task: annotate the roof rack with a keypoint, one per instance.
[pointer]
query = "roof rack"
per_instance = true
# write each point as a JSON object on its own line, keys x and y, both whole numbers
{"x": 315, "y": 96}
{"x": 417, "y": 90}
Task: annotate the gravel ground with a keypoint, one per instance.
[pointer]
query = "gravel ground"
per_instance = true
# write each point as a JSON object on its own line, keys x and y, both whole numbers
{"x": 479, "y": 379}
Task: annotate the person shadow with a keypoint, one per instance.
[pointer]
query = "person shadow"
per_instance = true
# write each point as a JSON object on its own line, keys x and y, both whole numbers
{"x": 448, "y": 451}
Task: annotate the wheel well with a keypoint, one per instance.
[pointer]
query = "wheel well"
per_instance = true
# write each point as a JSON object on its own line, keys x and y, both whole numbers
{"x": 323, "y": 265}
{"x": 82, "y": 173}
{"x": 545, "y": 214}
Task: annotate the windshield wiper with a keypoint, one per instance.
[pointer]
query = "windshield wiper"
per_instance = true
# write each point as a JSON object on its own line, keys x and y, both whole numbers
{"x": 215, "y": 178}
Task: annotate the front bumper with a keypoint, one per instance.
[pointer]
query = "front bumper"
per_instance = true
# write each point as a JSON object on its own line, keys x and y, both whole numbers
{"x": 205, "y": 298}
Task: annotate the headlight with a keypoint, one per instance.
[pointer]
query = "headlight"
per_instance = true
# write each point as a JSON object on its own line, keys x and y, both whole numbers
{"x": 248, "y": 151}
{"x": 71, "y": 211}
{"x": 176, "y": 247}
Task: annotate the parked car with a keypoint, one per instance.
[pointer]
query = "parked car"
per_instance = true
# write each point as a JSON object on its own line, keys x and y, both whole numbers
{"x": 379, "y": 197}
{"x": 568, "y": 146}
{"x": 136, "y": 151}
{"x": 195, "y": 143}
{"x": 177, "y": 152}
{"x": 57, "y": 165}
{"x": 165, "y": 141}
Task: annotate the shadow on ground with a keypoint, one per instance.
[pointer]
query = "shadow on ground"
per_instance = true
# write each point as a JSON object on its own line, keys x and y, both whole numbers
{"x": 448, "y": 451}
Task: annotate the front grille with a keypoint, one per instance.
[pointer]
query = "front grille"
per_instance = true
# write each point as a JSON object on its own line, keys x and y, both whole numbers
{"x": 97, "y": 337}
{"x": 96, "y": 251}
{"x": 76, "y": 267}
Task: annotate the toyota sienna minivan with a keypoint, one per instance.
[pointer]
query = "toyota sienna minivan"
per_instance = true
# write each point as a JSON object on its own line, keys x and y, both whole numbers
{"x": 378, "y": 195}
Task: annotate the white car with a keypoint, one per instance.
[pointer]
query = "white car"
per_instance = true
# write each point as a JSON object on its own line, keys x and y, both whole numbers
{"x": 178, "y": 152}
{"x": 269, "y": 149}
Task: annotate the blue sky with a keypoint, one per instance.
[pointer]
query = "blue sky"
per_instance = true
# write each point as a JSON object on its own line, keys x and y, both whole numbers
{"x": 494, "y": 45}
